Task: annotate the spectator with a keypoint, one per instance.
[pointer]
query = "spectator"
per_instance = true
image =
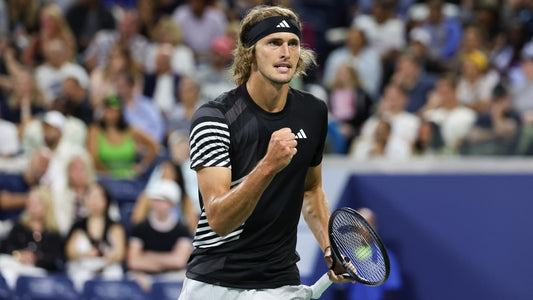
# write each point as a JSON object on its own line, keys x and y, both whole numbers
{"x": 103, "y": 78}
{"x": 522, "y": 102}
{"x": 113, "y": 144}
{"x": 476, "y": 81}
{"x": 52, "y": 26}
{"x": 348, "y": 103}
{"x": 14, "y": 188}
{"x": 187, "y": 211}
{"x": 505, "y": 54}
{"x": 472, "y": 41}
{"x": 24, "y": 101}
{"x": 86, "y": 18}
{"x": 9, "y": 139}
{"x": 385, "y": 32}
{"x": 96, "y": 245}
{"x": 73, "y": 132}
{"x": 162, "y": 85}
{"x": 496, "y": 130}
{"x": 446, "y": 33}
{"x": 55, "y": 69}
{"x": 168, "y": 32}
{"x": 389, "y": 290}
{"x": 33, "y": 245}
{"x": 152, "y": 12}
{"x": 201, "y": 24}
{"x": 139, "y": 111}
{"x": 74, "y": 100}
{"x": 382, "y": 144}
{"x": 62, "y": 137}
{"x": 69, "y": 203}
{"x": 410, "y": 75}
{"x": 443, "y": 108}
{"x": 160, "y": 246}
{"x": 23, "y": 20}
{"x": 179, "y": 118}
{"x": 404, "y": 125}
{"x": 214, "y": 75}
{"x": 126, "y": 34}
{"x": 356, "y": 53}
{"x": 419, "y": 43}
{"x": 429, "y": 140}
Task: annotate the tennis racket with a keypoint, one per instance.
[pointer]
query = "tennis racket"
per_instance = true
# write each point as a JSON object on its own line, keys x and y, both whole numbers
{"x": 358, "y": 248}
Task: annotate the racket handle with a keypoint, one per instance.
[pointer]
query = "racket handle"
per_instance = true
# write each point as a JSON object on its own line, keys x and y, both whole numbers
{"x": 320, "y": 286}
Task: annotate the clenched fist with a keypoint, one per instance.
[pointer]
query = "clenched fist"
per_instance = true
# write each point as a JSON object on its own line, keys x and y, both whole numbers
{"x": 281, "y": 149}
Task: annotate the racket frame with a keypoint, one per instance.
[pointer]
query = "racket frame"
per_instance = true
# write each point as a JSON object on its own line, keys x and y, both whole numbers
{"x": 375, "y": 236}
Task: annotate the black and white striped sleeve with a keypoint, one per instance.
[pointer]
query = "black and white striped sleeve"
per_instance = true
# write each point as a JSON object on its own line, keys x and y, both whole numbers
{"x": 209, "y": 140}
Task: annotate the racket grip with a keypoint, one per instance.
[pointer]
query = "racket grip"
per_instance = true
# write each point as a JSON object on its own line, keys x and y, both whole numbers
{"x": 320, "y": 286}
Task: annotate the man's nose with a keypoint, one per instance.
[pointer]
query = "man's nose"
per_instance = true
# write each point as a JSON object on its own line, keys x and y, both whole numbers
{"x": 284, "y": 50}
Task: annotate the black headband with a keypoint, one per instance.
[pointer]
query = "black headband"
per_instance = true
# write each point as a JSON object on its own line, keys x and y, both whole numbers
{"x": 271, "y": 25}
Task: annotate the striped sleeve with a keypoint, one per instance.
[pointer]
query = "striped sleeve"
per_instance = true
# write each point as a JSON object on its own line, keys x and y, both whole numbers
{"x": 209, "y": 142}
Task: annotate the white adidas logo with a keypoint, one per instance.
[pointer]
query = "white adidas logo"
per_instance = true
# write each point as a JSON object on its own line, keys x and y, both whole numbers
{"x": 301, "y": 135}
{"x": 283, "y": 24}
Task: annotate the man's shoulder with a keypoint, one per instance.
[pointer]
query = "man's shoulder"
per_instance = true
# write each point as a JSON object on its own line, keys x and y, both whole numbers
{"x": 219, "y": 106}
{"x": 307, "y": 99}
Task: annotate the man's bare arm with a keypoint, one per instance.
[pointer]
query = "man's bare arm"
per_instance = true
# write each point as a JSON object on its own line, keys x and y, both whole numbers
{"x": 227, "y": 208}
{"x": 316, "y": 214}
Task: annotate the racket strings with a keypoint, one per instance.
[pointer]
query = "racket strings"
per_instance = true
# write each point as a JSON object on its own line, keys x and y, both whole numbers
{"x": 358, "y": 249}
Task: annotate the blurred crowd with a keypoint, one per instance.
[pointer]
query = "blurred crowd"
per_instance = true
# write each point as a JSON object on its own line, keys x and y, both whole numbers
{"x": 96, "y": 97}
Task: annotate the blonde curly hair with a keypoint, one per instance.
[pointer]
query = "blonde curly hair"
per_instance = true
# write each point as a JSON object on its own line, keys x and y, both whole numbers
{"x": 245, "y": 56}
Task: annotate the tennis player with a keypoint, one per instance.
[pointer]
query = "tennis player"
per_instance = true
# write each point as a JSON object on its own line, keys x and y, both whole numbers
{"x": 257, "y": 151}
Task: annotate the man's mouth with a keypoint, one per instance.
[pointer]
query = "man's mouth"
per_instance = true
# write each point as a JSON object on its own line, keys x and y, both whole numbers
{"x": 283, "y": 67}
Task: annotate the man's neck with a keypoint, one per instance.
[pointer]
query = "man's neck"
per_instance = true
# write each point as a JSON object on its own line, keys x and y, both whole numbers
{"x": 271, "y": 97}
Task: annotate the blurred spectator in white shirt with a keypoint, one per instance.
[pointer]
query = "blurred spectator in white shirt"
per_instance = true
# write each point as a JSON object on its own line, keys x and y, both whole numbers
{"x": 404, "y": 125}
{"x": 476, "y": 81}
{"x": 385, "y": 32}
{"x": 443, "y": 108}
{"x": 382, "y": 144}
{"x": 57, "y": 68}
{"x": 9, "y": 139}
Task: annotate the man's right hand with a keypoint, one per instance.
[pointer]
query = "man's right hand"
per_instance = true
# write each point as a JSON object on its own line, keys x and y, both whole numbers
{"x": 281, "y": 149}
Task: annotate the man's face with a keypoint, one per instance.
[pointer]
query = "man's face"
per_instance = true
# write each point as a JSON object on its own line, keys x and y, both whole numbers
{"x": 277, "y": 55}
{"x": 51, "y": 135}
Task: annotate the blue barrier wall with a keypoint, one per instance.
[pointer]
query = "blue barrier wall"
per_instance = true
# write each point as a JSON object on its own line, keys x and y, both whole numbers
{"x": 457, "y": 236}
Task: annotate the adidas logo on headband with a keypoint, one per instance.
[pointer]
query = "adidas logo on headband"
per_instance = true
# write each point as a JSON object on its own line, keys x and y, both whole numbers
{"x": 283, "y": 24}
{"x": 271, "y": 25}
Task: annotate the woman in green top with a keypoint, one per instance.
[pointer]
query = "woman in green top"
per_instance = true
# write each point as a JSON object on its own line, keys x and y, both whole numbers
{"x": 114, "y": 145}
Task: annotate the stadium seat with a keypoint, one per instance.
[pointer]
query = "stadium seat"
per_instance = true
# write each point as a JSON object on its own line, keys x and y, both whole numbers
{"x": 5, "y": 292}
{"x": 98, "y": 289}
{"x": 165, "y": 290}
{"x": 52, "y": 287}
{"x": 122, "y": 190}
{"x": 126, "y": 209}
